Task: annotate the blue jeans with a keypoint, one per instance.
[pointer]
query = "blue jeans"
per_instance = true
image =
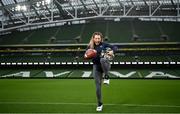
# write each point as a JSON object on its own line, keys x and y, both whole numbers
{"x": 98, "y": 70}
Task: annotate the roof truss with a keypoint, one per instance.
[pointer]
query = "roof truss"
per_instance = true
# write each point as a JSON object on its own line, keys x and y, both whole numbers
{"x": 40, "y": 12}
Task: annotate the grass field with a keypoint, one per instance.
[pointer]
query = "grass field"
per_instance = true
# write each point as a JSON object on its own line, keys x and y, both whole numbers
{"x": 78, "y": 96}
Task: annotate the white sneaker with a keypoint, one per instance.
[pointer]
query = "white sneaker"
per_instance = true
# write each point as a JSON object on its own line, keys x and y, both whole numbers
{"x": 99, "y": 108}
{"x": 106, "y": 81}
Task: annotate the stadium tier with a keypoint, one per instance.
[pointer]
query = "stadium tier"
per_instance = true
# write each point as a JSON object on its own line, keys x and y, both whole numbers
{"x": 73, "y": 54}
{"x": 114, "y": 32}
{"x": 70, "y": 58}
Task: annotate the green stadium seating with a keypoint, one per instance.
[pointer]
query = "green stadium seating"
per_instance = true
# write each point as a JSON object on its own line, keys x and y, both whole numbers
{"x": 172, "y": 30}
{"x": 68, "y": 57}
{"x": 120, "y": 32}
{"x": 115, "y": 32}
{"x": 146, "y": 31}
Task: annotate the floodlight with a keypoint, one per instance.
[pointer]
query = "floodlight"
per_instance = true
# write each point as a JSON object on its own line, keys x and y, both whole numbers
{"x": 18, "y": 7}
{"x": 24, "y": 8}
{"x": 48, "y": 1}
{"x": 37, "y": 4}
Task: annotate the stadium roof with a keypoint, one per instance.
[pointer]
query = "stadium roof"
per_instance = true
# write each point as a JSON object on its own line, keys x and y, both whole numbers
{"x": 16, "y": 14}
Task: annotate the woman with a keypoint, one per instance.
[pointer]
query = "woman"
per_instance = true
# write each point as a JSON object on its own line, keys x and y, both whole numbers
{"x": 101, "y": 64}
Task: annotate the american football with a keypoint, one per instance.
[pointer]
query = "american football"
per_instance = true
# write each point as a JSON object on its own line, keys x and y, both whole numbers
{"x": 90, "y": 53}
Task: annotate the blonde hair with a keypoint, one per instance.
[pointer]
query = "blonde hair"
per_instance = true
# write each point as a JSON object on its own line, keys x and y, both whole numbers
{"x": 91, "y": 42}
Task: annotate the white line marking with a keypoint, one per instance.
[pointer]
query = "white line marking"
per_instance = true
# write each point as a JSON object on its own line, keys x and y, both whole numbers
{"x": 70, "y": 113}
{"x": 149, "y": 105}
{"x": 61, "y": 103}
{"x": 48, "y": 103}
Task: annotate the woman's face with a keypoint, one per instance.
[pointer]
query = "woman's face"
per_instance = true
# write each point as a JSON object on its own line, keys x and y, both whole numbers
{"x": 97, "y": 39}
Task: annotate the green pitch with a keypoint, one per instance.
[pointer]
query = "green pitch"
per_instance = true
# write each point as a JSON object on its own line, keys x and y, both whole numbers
{"x": 78, "y": 95}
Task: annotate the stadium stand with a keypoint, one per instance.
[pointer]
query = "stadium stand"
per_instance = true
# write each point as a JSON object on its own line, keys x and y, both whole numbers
{"x": 114, "y": 32}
